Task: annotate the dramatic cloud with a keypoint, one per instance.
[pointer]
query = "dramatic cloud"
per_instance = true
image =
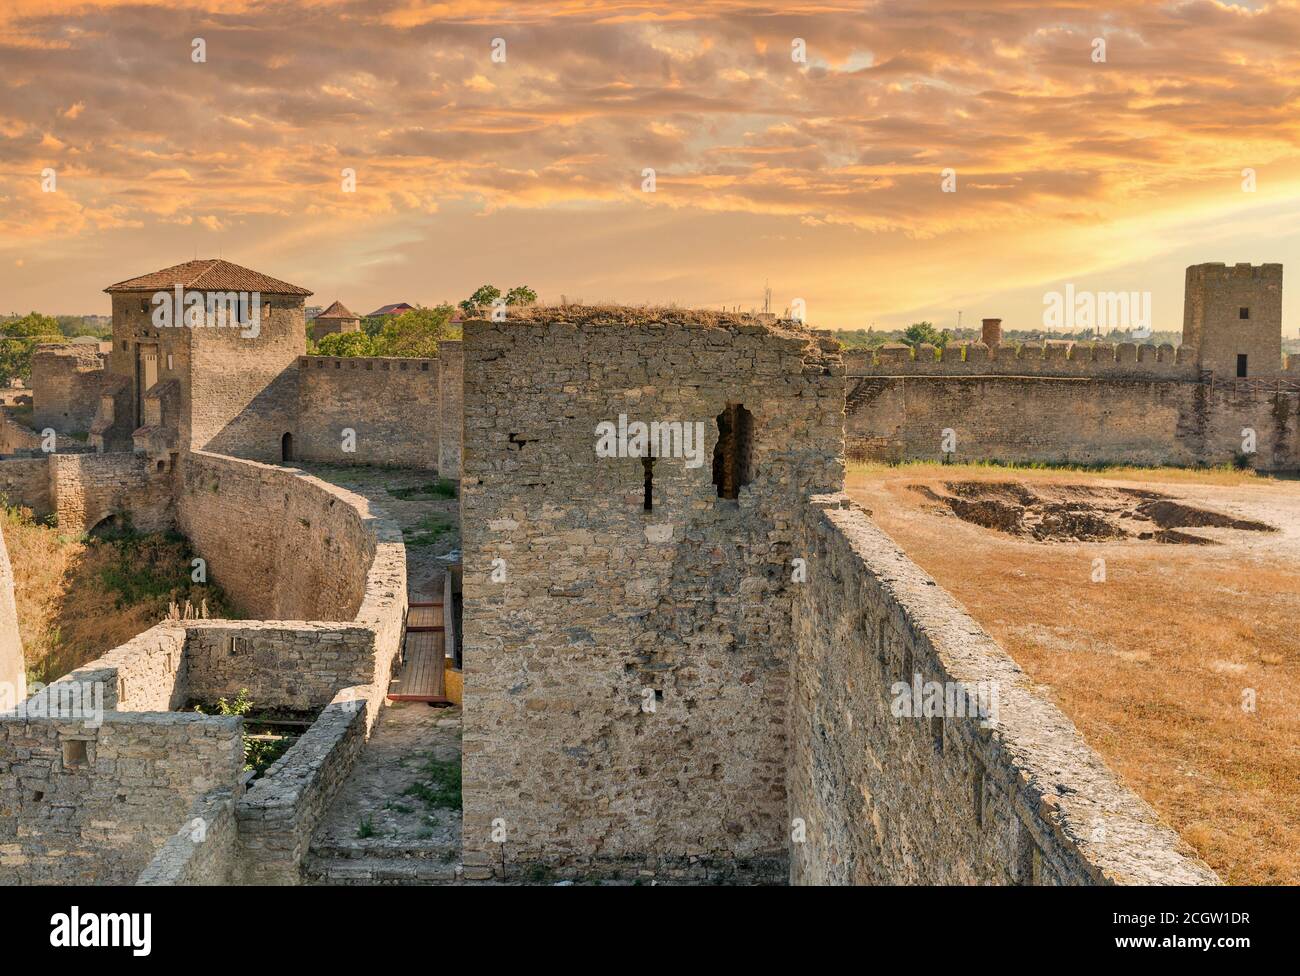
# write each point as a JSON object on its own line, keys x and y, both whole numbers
{"x": 822, "y": 176}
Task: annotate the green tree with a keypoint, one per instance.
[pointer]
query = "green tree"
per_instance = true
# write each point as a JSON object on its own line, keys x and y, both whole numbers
{"x": 922, "y": 332}
{"x": 19, "y": 339}
{"x": 521, "y": 295}
{"x": 346, "y": 344}
{"x": 417, "y": 333}
{"x": 483, "y": 295}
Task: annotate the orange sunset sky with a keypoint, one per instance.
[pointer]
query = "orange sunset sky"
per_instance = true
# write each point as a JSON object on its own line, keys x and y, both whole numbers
{"x": 822, "y": 178}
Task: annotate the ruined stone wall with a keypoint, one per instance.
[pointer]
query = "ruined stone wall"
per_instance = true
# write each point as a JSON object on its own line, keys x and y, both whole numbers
{"x": 66, "y": 381}
{"x": 296, "y": 665}
{"x": 101, "y": 820}
{"x": 204, "y": 851}
{"x": 143, "y": 675}
{"x": 623, "y": 680}
{"x": 14, "y": 437}
{"x": 13, "y": 675}
{"x": 1060, "y": 420}
{"x": 88, "y": 488}
{"x": 392, "y": 404}
{"x": 890, "y": 795}
{"x": 280, "y": 811}
{"x": 283, "y": 545}
{"x": 26, "y": 482}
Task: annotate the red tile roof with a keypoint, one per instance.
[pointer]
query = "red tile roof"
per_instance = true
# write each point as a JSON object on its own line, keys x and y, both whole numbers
{"x": 208, "y": 274}
{"x": 336, "y": 311}
{"x": 395, "y": 309}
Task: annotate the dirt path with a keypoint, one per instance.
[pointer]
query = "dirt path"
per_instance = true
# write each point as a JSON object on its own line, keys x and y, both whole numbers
{"x": 396, "y": 819}
{"x": 1179, "y": 663}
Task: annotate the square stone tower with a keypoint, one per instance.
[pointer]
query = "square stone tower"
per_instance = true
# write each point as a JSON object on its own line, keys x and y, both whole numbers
{"x": 1232, "y": 318}
{"x": 627, "y": 626}
{"x": 211, "y": 386}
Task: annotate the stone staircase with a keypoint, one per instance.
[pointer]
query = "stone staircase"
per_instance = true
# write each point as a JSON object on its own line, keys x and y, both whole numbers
{"x": 382, "y": 862}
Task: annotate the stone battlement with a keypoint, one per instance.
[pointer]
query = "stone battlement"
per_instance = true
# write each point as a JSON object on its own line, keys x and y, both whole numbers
{"x": 1075, "y": 359}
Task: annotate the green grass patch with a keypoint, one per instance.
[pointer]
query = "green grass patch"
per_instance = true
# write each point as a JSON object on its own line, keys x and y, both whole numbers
{"x": 442, "y": 488}
{"x": 427, "y": 531}
{"x": 439, "y": 786}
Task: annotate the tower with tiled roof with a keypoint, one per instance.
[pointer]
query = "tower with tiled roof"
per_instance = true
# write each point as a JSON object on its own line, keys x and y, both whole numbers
{"x": 336, "y": 318}
{"x": 204, "y": 358}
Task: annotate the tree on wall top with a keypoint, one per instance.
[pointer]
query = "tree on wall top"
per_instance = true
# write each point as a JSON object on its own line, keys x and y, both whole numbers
{"x": 485, "y": 295}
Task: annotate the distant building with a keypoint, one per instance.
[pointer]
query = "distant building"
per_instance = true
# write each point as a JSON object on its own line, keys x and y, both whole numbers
{"x": 396, "y": 309}
{"x": 336, "y": 318}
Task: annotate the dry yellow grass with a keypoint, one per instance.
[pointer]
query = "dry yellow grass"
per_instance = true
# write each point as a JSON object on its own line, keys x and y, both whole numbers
{"x": 69, "y": 611}
{"x": 1152, "y": 665}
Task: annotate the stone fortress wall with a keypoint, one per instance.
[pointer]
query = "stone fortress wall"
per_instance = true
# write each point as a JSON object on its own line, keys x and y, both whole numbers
{"x": 65, "y": 384}
{"x": 393, "y": 407}
{"x": 771, "y": 689}
{"x": 609, "y": 608}
{"x": 929, "y": 799}
{"x": 652, "y": 686}
{"x": 1084, "y": 403}
{"x": 13, "y": 681}
{"x": 123, "y": 805}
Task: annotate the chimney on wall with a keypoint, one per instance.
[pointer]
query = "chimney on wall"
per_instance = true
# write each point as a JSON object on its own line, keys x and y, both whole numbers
{"x": 992, "y": 332}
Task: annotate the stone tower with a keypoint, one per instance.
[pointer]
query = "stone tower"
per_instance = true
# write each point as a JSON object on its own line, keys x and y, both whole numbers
{"x": 1232, "y": 318}
{"x": 337, "y": 318}
{"x": 991, "y": 332}
{"x": 203, "y": 383}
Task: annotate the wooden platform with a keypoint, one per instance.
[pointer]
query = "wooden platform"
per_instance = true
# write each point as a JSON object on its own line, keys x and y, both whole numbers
{"x": 423, "y": 657}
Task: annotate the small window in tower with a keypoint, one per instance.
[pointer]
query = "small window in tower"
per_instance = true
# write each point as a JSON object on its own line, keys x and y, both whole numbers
{"x": 733, "y": 454}
{"x": 648, "y": 466}
{"x": 74, "y": 753}
{"x": 1243, "y": 313}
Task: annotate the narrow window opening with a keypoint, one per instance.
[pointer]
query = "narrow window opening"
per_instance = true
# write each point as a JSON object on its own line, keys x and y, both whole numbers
{"x": 1241, "y": 364}
{"x": 648, "y": 466}
{"x": 286, "y": 447}
{"x": 74, "y": 753}
{"x": 733, "y": 454}
{"x": 1243, "y": 313}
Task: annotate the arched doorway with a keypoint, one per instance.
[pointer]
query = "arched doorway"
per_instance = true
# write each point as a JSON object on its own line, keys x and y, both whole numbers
{"x": 286, "y": 447}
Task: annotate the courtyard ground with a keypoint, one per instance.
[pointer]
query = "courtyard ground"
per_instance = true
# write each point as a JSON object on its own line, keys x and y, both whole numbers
{"x": 396, "y": 819}
{"x": 1158, "y": 608}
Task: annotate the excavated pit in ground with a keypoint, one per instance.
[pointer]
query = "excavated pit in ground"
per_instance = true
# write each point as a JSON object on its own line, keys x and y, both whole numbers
{"x": 1082, "y": 513}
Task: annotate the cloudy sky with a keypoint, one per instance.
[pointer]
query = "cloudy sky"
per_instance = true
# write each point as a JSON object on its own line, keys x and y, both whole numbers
{"x": 822, "y": 178}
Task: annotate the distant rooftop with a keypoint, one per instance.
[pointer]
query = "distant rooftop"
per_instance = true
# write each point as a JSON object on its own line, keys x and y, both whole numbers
{"x": 395, "y": 309}
{"x": 208, "y": 274}
{"x": 337, "y": 311}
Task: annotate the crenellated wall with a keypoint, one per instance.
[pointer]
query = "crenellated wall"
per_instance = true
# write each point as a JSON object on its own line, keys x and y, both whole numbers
{"x": 391, "y": 405}
{"x": 888, "y": 788}
{"x": 1102, "y": 360}
{"x": 1017, "y": 419}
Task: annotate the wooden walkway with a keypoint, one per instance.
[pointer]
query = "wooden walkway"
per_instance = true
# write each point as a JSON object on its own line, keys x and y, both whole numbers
{"x": 423, "y": 657}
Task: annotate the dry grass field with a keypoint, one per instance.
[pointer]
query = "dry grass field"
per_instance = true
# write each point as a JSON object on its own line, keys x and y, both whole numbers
{"x": 1158, "y": 663}
{"x": 79, "y": 597}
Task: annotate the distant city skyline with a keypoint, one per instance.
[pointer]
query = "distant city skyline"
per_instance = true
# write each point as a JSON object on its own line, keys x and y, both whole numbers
{"x": 526, "y": 162}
